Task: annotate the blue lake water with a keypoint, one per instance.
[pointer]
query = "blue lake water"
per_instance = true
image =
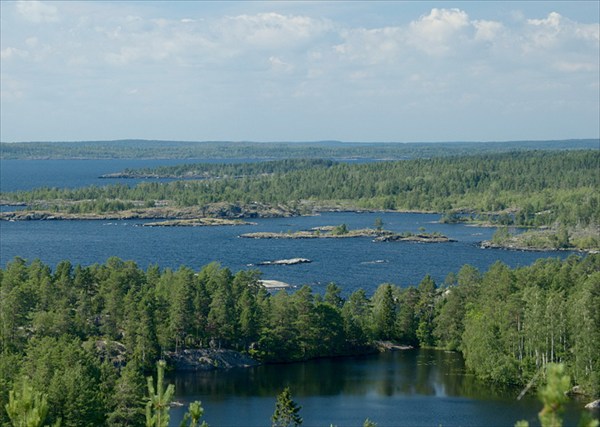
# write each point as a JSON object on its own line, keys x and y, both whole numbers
{"x": 352, "y": 263}
{"x": 408, "y": 388}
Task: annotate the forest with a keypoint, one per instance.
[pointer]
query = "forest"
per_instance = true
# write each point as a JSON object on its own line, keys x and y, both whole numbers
{"x": 533, "y": 188}
{"x": 85, "y": 336}
{"x": 151, "y": 149}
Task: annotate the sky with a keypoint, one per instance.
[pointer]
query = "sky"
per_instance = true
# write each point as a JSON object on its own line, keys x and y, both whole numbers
{"x": 363, "y": 71}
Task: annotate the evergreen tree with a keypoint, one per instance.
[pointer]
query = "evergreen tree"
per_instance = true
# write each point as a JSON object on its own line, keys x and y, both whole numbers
{"x": 26, "y": 407}
{"x": 384, "y": 313}
{"x": 286, "y": 411}
{"x": 192, "y": 417}
{"x": 425, "y": 311}
{"x": 128, "y": 398}
{"x": 333, "y": 295}
{"x": 356, "y": 314}
{"x": 159, "y": 399}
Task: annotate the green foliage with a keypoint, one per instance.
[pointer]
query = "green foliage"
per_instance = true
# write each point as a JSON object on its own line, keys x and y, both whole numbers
{"x": 541, "y": 188}
{"x": 192, "y": 417}
{"x": 159, "y": 399}
{"x": 339, "y": 230}
{"x": 378, "y": 224}
{"x": 286, "y": 411}
{"x": 128, "y": 398}
{"x": 70, "y": 376}
{"x": 384, "y": 313}
{"x": 84, "y": 335}
{"x": 26, "y": 407}
{"x": 369, "y": 423}
{"x": 554, "y": 396}
{"x": 129, "y": 149}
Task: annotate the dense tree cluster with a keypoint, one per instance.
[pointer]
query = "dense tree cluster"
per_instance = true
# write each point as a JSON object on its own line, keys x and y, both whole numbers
{"x": 148, "y": 149}
{"x": 233, "y": 170}
{"x": 528, "y": 188}
{"x": 84, "y": 335}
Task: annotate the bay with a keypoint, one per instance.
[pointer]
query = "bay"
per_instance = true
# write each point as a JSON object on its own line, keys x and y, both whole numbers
{"x": 403, "y": 388}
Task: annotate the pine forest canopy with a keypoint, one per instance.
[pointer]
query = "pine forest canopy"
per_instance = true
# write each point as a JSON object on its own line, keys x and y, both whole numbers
{"x": 69, "y": 329}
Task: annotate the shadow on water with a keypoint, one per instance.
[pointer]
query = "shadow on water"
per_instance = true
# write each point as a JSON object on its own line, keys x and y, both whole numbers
{"x": 412, "y": 387}
{"x": 408, "y": 372}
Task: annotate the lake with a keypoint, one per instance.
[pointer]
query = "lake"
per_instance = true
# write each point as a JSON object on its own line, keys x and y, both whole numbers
{"x": 403, "y": 388}
{"x": 417, "y": 387}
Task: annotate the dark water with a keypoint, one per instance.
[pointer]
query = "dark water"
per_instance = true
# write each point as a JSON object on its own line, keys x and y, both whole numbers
{"x": 404, "y": 388}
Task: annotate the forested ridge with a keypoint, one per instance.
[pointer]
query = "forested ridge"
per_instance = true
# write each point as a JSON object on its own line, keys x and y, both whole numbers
{"x": 223, "y": 170}
{"x": 152, "y": 149}
{"x": 537, "y": 188}
{"x": 84, "y": 335}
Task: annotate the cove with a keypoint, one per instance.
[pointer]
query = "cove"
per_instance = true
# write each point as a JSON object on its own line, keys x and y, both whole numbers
{"x": 403, "y": 388}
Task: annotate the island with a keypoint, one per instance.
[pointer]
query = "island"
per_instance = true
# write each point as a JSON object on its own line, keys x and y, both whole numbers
{"x": 291, "y": 261}
{"x": 342, "y": 232}
{"x": 197, "y": 222}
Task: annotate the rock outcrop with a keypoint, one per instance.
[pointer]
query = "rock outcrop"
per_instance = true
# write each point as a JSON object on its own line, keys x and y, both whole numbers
{"x": 208, "y": 360}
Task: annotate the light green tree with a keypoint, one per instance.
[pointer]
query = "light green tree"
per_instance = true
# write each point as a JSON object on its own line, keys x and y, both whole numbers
{"x": 193, "y": 415}
{"x": 26, "y": 407}
{"x": 286, "y": 411}
{"x": 157, "y": 408}
{"x": 553, "y": 395}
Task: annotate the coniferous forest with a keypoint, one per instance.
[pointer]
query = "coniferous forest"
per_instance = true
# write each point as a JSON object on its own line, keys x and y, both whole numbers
{"x": 529, "y": 188}
{"x": 85, "y": 336}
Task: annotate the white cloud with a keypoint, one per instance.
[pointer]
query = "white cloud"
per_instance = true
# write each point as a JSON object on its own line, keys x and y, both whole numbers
{"x": 191, "y": 60}
{"x": 437, "y": 32}
{"x": 36, "y": 11}
{"x": 487, "y": 30}
{"x": 272, "y": 30}
{"x": 11, "y": 52}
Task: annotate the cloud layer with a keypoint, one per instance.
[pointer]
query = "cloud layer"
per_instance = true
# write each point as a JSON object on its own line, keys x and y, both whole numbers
{"x": 112, "y": 70}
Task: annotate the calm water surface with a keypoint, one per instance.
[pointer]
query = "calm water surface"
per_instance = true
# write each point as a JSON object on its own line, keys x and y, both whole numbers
{"x": 404, "y": 388}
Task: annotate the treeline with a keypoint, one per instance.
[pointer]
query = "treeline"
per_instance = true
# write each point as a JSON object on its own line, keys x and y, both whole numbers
{"x": 84, "y": 335}
{"x": 536, "y": 188}
{"x": 145, "y": 149}
{"x": 228, "y": 170}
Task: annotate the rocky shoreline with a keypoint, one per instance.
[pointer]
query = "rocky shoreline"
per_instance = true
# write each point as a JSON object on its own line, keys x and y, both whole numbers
{"x": 327, "y": 232}
{"x": 208, "y": 360}
{"x": 215, "y": 210}
{"x": 199, "y": 222}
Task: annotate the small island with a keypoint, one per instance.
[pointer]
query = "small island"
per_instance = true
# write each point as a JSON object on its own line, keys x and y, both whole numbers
{"x": 291, "y": 261}
{"x": 197, "y": 222}
{"x": 549, "y": 239}
{"x": 342, "y": 232}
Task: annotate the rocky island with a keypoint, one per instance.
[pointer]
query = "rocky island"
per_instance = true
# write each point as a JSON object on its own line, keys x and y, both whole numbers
{"x": 342, "y": 232}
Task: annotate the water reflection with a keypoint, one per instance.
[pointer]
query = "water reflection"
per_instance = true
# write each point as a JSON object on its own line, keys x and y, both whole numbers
{"x": 414, "y": 387}
{"x": 407, "y": 373}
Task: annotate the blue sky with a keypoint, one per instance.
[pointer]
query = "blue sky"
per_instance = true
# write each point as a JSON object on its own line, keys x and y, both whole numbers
{"x": 299, "y": 71}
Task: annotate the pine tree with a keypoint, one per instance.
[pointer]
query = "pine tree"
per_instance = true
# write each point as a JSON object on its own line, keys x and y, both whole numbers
{"x": 157, "y": 408}
{"x": 286, "y": 411}
{"x": 26, "y": 407}
{"x": 192, "y": 417}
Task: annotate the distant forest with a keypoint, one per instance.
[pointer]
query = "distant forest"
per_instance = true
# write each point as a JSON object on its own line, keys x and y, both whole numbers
{"x": 85, "y": 335}
{"x": 532, "y": 188}
{"x": 129, "y": 149}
